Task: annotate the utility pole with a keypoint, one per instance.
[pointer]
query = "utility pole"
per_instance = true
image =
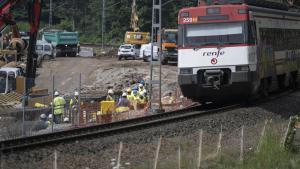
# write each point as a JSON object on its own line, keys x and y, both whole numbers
{"x": 156, "y": 38}
{"x": 103, "y": 23}
{"x": 73, "y": 13}
{"x": 50, "y": 14}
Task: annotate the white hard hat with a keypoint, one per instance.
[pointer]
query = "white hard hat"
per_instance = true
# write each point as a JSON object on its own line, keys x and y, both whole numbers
{"x": 56, "y": 93}
{"x": 50, "y": 116}
{"x": 66, "y": 119}
{"x": 141, "y": 85}
{"x": 124, "y": 94}
{"x": 43, "y": 116}
{"x": 110, "y": 91}
{"x": 76, "y": 93}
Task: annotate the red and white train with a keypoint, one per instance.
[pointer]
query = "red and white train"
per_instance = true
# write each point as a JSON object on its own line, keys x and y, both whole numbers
{"x": 237, "y": 50}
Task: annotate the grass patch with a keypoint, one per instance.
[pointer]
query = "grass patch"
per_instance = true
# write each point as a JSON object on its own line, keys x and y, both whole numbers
{"x": 270, "y": 156}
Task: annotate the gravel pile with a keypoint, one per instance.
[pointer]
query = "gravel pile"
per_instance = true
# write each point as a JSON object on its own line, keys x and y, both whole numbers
{"x": 139, "y": 146}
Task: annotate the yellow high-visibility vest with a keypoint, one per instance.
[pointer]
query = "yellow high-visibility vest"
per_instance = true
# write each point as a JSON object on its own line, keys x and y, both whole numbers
{"x": 59, "y": 105}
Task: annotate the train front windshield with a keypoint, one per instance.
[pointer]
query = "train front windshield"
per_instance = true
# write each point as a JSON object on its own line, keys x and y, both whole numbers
{"x": 214, "y": 34}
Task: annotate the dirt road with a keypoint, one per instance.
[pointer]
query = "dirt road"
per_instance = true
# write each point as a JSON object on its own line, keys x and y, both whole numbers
{"x": 98, "y": 74}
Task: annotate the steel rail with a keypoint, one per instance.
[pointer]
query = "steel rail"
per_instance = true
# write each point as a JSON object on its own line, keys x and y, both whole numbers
{"x": 125, "y": 126}
{"x": 114, "y": 128}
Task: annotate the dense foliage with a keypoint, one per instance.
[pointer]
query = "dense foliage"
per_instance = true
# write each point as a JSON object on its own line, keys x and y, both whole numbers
{"x": 86, "y": 17}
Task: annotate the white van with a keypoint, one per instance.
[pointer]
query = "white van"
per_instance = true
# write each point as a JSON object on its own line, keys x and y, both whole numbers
{"x": 44, "y": 49}
{"x": 145, "y": 52}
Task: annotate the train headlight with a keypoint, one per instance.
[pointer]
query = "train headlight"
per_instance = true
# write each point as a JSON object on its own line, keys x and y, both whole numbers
{"x": 186, "y": 71}
{"x": 242, "y": 68}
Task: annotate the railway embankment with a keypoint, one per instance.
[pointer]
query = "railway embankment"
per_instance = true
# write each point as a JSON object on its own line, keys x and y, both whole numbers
{"x": 221, "y": 132}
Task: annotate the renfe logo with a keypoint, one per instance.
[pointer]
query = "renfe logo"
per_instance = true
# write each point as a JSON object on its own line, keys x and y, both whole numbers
{"x": 214, "y": 61}
{"x": 215, "y": 54}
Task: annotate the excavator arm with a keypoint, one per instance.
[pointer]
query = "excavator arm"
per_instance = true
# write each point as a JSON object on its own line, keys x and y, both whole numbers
{"x": 5, "y": 15}
{"x": 34, "y": 16}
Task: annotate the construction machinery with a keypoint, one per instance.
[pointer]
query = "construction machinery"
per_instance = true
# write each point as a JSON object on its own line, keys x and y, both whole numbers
{"x": 16, "y": 47}
{"x": 64, "y": 43}
{"x": 136, "y": 37}
{"x": 169, "y": 46}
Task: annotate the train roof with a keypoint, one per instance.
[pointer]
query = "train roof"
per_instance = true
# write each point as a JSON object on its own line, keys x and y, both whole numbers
{"x": 249, "y": 7}
{"x": 273, "y": 4}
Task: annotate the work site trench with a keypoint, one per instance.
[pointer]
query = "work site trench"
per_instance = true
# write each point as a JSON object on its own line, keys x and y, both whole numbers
{"x": 94, "y": 81}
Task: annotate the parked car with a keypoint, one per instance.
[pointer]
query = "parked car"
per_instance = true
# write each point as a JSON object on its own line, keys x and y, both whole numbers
{"x": 44, "y": 49}
{"x": 128, "y": 51}
{"x": 145, "y": 52}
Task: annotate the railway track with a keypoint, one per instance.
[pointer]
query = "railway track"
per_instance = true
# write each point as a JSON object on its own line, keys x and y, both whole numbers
{"x": 125, "y": 126}
{"x": 114, "y": 128}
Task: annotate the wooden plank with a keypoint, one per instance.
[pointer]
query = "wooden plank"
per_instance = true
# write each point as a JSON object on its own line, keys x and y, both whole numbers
{"x": 20, "y": 83}
{"x": 8, "y": 52}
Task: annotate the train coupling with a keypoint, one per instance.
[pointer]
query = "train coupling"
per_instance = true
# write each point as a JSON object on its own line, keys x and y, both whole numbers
{"x": 213, "y": 78}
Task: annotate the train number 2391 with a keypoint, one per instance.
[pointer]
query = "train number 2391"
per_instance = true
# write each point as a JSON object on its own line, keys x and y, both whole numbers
{"x": 187, "y": 20}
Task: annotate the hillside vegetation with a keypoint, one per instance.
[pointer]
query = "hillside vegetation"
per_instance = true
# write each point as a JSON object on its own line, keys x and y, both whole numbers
{"x": 86, "y": 17}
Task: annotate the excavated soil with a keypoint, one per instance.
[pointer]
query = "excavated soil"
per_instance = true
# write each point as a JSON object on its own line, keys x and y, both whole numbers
{"x": 97, "y": 74}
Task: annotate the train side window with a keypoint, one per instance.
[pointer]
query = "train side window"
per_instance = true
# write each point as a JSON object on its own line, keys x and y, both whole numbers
{"x": 180, "y": 35}
{"x": 252, "y": 33}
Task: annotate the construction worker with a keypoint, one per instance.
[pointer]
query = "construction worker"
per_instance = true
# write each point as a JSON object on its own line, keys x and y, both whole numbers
{"x": 74, "y": 100}
{"x": 130, "y": 97}
{"x": 142, "y": 82}
{"x": 58, "y": 107}
{"x": 78, "y": 48}
{"x": 134, "y": 88}
{"x": 142, "y": 99}
{"x": 141, "y": 89}
{"x": 50, "y": 119}
{"x": 135, "y": 94}
{"x": 123, "y": 104}
{"x": 73, "y": 109}
{"x": 171, "y": 98}
{"x": 43, "y": 123}
{"x": 109, "y": 96}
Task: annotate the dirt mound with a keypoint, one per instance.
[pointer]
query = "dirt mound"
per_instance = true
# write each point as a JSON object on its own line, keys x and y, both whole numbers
{"x": 98, "y": 74}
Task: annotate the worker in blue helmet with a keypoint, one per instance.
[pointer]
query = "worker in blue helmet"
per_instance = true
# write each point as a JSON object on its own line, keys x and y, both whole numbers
{"x": 142, "y": 82}
{"x": 135, "y": 94}
{"x": 135, "y": 88}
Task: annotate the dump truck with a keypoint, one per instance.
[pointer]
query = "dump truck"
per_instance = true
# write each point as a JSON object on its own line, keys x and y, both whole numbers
{"x": 169, "y": 46}
{"x": 64, "y": 43}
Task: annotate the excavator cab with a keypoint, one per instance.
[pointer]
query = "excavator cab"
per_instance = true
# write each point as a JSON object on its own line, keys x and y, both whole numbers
{"x": 8, "y": 78}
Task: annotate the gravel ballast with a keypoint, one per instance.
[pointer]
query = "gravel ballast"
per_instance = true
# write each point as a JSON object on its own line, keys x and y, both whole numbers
{"x": 139, "y": 146}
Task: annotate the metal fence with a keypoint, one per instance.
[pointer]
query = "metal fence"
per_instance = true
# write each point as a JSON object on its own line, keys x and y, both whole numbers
{"x": 23, "y": 119}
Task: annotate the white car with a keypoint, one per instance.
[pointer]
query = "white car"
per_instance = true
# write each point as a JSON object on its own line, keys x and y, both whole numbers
{"x": 145, "y": 52}
{"x": 44, "y": 49}
{"x": 128, "y": 51}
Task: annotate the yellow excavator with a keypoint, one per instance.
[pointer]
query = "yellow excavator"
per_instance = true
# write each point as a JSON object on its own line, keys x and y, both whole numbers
{"x": 136, "y": 37}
